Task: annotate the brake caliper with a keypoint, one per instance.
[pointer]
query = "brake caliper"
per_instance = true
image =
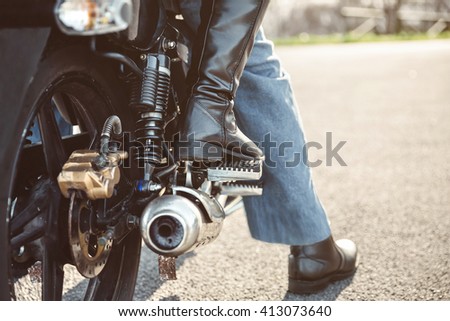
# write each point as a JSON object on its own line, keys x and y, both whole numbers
{"x": 92, "y": 173}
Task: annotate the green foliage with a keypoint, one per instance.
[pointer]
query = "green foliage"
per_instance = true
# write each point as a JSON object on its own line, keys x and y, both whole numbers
{"x": 306, "y": 39}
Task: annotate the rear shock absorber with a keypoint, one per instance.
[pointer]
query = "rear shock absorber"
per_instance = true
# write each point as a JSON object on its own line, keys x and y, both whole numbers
{"x": 151, "y": 110}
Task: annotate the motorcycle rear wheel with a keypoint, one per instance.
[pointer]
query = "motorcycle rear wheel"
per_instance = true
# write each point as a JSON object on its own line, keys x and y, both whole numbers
{"x": 71, "y": 95}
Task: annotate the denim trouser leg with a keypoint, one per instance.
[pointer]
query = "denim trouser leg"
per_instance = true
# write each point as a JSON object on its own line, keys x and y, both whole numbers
{"x": 289, "y": 211}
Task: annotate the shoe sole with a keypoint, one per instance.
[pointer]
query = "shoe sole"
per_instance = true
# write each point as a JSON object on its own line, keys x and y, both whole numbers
{"x": 208, "y": 152}
{"x": 310, "y": 287}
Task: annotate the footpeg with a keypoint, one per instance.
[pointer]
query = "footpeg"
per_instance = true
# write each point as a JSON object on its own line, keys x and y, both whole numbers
{"x": 237, "y": 171}
{"x": 241, "y": 189}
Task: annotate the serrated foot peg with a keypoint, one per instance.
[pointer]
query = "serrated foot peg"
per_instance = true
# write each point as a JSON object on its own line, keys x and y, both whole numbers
{"x": 237, "y": 171}
{"x": 241, "y": 189}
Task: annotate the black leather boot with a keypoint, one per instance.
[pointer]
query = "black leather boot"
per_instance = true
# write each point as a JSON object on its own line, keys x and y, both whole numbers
{"x": 223, "y": 44}
{"x": 313, "y": 267}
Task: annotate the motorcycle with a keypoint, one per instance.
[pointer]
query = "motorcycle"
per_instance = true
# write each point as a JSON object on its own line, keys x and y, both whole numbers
{"x": 91, "y": 99}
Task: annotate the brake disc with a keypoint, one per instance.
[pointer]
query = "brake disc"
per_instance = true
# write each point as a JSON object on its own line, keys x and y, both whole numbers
{"x": 90, "y": 248}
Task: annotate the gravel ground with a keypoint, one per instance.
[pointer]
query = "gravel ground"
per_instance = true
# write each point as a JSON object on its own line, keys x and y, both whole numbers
{"x": 391, "y": 103}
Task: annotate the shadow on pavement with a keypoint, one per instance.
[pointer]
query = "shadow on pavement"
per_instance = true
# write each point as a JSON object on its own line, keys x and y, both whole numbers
{"x": 148, "y": 281}
{"x": 171, "y": 298}
{"x": 77, "y": 292}
{"x": 331, "y": 293}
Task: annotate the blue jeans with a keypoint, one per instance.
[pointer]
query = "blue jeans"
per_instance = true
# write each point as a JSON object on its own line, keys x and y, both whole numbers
{"x": 289, "y": 211}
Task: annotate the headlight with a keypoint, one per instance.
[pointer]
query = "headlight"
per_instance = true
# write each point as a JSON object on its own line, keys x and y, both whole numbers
{"x": 93, "y": 17}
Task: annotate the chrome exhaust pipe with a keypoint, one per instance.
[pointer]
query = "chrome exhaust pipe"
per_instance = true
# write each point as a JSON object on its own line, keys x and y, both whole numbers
{"x": 172, "y": 225}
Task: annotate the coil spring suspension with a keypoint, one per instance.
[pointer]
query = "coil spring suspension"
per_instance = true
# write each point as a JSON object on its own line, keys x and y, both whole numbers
{"x": 151, "y": 109}
{"x": 134, "y": 84}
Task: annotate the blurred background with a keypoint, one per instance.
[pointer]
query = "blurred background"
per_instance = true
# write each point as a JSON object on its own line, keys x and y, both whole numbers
{"x": 353, "y": 19}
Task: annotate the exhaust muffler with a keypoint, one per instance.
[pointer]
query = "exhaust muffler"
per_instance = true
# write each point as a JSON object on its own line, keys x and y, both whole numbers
{"x": 175, "y": 224}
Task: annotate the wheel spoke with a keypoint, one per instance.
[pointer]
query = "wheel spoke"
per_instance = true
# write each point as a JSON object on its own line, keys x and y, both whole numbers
{"x": 73, "y": 109}
{"x": 35, "y": 204}
{"x": 84, "y": 121}
{"x": 53, "y": 270}
{"x": 53, "y": 277}
{"x": 24, "y": 217}
{"x": 63, "y": 104}
{"x": 91, "y": 290}
{"x": 28, "y": 236}
{"x": 54, "y": 152}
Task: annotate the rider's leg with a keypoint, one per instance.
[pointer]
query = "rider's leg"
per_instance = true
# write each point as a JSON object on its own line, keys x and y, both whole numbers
{"x": 223, "y": 42}
{"x": 288, "y": 187}
{"x": 289, "y": 210}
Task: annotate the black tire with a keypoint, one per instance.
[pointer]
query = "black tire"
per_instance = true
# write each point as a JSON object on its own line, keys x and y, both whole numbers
{"x": 87, "y": 91}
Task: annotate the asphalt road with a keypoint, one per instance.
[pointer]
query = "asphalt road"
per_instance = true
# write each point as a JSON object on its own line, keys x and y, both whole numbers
{"x": 391, "y": 103}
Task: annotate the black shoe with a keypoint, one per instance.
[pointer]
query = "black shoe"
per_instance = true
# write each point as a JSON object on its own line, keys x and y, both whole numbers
{"x": 222, "y": 46}
{"x": 313, "y": 267}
